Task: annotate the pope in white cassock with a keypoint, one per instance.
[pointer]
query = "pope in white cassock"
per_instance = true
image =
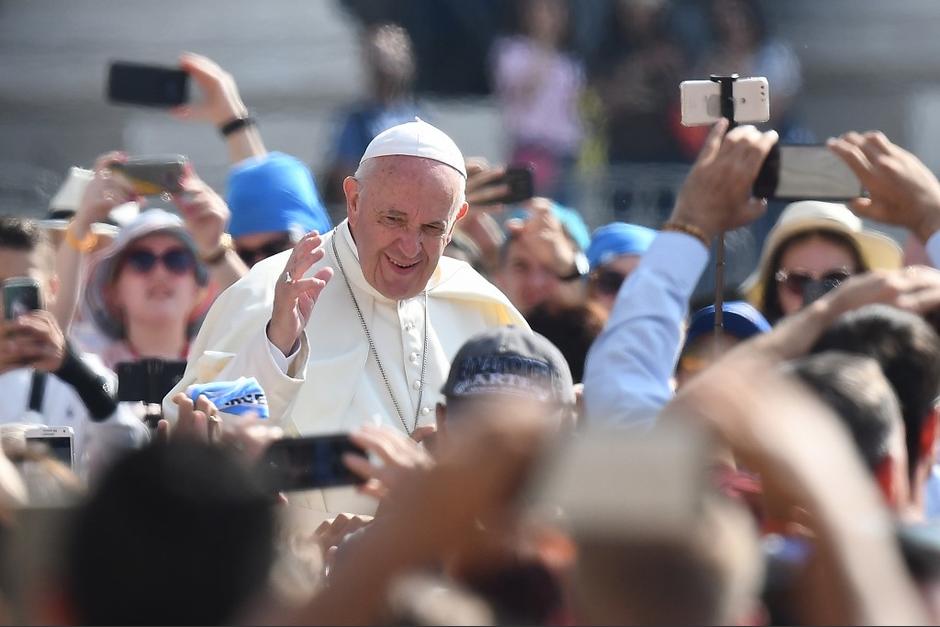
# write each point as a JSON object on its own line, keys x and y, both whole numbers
{"x": 363, "y": 321}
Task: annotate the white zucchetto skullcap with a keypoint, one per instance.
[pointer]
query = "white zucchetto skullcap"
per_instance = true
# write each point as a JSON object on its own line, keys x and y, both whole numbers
{"x": 417, "y": 139}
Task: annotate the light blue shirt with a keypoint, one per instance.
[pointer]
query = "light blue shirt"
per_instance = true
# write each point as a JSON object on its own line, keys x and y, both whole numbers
{"x": 629, "y": 368}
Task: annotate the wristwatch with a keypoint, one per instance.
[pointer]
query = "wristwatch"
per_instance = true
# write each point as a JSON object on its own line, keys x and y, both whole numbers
{"x": 217, "y": 255}
{"x": 580, "y": 270}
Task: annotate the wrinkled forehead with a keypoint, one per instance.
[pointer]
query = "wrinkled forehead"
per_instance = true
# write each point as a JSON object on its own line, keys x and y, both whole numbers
{"x": 415, "y": 185}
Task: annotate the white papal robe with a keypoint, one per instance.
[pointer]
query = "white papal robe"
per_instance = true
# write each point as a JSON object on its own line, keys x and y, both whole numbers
{"x": 333, "y": 384}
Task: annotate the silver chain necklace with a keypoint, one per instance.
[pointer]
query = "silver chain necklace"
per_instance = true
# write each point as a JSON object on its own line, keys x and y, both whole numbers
{"x": 375, "y": 354}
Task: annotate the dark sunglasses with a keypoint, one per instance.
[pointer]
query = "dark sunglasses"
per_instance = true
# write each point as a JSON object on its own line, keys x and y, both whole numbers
{"x": 176, "y": 260}
{"x": 608, "y": 281}
{"x": 251, "y": 256}
{"x": 796, "y": 281}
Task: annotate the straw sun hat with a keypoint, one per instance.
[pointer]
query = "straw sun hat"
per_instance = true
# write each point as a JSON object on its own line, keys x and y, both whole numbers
{"x": 877, "y": 251}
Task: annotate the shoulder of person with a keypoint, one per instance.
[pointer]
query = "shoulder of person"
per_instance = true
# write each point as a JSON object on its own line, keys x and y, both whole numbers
{"x": 459, "y": 281}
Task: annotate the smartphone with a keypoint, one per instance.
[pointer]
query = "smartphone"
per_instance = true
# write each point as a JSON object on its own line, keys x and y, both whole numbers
{"x": 21, "y": 295}
{"x": 612, "y": 484}
{"x": 701, "y": 101}
{"x": 806, "y": 172}
{"x": 56, "y": 441}
{"x": 309, "y": 462}
{"x": 154, "y": 175}
{"x": 519, "y": 180}
{"x": 148, "y": 380}
{"x": 147, "y": 85}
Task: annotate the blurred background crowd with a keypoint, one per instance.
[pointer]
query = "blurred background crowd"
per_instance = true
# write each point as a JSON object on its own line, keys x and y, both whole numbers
{"x": 795, "y": 451}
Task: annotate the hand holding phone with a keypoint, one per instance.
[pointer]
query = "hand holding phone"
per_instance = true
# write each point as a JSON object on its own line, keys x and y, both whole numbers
{"x": 514, "y": 185}
{"x": 308, "y": 463}
{"x": 153, "y": 175}
{"x": 147, "y": 85}
{"x": 21, "y": 295}
{"x": 56, "y": 441}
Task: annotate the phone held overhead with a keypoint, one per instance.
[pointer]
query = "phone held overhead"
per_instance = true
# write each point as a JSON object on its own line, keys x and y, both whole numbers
{"x": 147, "y": 85}
{"x": 153, "y": 175}
{"x": 790, "y": 172}
{"x": 309, "y": 463}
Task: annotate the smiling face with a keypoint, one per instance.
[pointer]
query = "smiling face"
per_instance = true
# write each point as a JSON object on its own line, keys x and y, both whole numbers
{"x": 402, "y": 212}
{"x": 152, "y": 293}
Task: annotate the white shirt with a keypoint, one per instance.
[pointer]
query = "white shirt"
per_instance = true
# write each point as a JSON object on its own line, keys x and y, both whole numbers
{"x": 94, "y": 442}
{"x": 628, "y": 369}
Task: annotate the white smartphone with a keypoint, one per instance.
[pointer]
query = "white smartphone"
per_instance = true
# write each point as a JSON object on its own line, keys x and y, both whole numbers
{"x": 615, "y": 484}
{"x": 55, "y": 441}
{"x": 701, "y": 101}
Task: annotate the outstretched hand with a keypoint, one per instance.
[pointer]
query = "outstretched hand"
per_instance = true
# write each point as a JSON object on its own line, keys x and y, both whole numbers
{"x": 716, "y": 196}
{"x": 902, "y": 190}
{"x": 221, "y": 100}
{"x": 295, "y": 295}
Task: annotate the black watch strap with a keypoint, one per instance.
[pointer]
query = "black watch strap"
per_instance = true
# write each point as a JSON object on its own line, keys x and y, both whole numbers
{"x": 236, "y": 124}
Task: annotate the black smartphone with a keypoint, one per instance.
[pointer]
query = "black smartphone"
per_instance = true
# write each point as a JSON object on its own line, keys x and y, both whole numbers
{"x": 309, "y": 462}
{"x": 153, "y": 175}
{"x": 521, "y": 186}
{"x": 806, "y": 172}
{"x": 21, "y": 295}
{"x": 148, "y": 380}
{"x": 147, "y": 85}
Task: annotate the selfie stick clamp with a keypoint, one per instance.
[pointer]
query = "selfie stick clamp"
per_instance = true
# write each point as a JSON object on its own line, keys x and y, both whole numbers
{"x": 726, "y": 98}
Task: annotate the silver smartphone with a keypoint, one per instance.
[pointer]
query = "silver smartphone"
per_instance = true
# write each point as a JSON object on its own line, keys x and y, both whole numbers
{"x": 806, "y": 172}
{"x": 701, "y": 101}
{"x": 58, "y": 442}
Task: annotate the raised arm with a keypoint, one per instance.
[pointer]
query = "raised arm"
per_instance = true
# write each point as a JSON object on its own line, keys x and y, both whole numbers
{"x": 628, "y": 370}
{"x": 221, "y": 104}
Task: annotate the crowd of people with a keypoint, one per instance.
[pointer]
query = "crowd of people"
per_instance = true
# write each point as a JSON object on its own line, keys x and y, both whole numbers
{"x": 553, "y": 431}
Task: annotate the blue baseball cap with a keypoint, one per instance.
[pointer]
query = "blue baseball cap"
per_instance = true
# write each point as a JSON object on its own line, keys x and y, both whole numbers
{"x": 618, "y": 238}
{"x": 274, "y": 193}
{"x": 740, "y": 320}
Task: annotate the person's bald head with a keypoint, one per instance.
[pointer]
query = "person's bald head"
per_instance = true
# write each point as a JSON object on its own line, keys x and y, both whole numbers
{"x": 402, "y": 211}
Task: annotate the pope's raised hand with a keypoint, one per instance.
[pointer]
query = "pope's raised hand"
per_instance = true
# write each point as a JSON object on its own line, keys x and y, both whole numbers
{"x": 295, "y": 295}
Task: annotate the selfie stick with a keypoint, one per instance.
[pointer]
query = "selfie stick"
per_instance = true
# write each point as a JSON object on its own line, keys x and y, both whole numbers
{"x": 727, "y": 112}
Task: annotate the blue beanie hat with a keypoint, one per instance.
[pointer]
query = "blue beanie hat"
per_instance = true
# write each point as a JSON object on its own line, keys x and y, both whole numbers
{"x": 739, "y": 319}
{"x": 272, "y": 193}
{"x": 618, "y": 238}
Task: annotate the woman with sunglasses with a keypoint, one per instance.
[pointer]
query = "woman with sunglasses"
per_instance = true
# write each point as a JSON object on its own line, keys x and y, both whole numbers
{"x": 146, "y": 291}
{"x": 812, "y": 248}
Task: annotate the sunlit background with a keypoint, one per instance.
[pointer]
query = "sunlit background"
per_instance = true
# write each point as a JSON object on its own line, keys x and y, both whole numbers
{"x": 833, "y": 65}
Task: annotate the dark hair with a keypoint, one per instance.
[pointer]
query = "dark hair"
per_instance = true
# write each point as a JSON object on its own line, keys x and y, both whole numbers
{"x": 572, "y": 328}
{"x": 908, "y": 351}
{"x": 18, "y": 233}
{"x": 179, "y": 533}
{"x": 770, "y": 305}
{"x": 856, "y": 390}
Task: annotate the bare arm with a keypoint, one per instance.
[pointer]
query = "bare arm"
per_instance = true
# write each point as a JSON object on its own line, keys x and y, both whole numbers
{"x": 806, "y": 460}
{"x": 101, "y": 195}
{"x": 221, "y": 104}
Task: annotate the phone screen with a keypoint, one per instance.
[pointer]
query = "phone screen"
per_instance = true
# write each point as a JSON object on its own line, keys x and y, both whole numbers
{"x": 309, "y": 462}
{"x": 58, "y": 446}
{"x": 147, "y": 85}
{"x": 148, "y": 380}
{"x": 797, "y": 172}
{"x": 20, "y": 298}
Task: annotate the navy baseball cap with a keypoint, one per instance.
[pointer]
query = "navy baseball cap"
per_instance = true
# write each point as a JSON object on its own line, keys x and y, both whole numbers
{"x": 510, "y": 361}
{"x": 740, "y": 320}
